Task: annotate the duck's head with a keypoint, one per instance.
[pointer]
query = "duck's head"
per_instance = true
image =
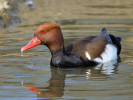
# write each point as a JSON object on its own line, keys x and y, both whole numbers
{"x": 48, "y": 34}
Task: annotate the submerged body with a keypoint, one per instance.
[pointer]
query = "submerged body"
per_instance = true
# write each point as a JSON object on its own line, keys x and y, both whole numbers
{"x": 86, "y": 51}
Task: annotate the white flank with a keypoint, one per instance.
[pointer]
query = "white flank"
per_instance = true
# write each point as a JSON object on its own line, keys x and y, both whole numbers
{"x": 109, "y": 54}
{"x": 87, "y": 55}
{"x": 99, "y": 60}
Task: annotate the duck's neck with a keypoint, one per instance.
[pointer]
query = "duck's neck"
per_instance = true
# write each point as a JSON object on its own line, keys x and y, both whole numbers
{"x": 58, "y": 57}
{"x": 58, "y": 52}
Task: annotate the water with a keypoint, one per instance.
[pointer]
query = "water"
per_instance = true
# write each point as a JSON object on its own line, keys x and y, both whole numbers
{"x": 21, "y": 53}
{"x": 31, "y": 77}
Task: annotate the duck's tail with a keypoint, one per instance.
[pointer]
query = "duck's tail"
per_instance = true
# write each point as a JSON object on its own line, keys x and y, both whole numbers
{"x": 104, "y": 31}
{"x": 112, "y": 39}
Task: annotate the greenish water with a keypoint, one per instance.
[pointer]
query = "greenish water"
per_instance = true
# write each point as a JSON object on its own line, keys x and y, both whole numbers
{"x": 30, "y": 77}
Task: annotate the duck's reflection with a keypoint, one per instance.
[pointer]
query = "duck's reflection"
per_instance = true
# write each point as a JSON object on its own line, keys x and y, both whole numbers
{"x": 58, "y": 75}
{"x": 55, "y": 88}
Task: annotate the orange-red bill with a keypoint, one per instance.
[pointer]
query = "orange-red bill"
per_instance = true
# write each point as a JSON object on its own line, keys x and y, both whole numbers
{"x": 34, "y": 42}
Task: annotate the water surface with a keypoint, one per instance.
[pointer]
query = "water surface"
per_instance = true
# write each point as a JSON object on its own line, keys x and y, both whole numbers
{"x": 31, "y": 77}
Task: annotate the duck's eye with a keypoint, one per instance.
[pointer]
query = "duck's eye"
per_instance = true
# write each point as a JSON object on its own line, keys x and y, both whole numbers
{"x": 43, "y": 31}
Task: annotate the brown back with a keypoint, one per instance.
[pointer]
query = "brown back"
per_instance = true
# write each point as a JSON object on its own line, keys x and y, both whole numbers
{"x": 93, "y": 45}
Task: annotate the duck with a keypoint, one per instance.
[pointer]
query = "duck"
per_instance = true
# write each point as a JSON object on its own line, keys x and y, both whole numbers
{"x": 86, "y": 51}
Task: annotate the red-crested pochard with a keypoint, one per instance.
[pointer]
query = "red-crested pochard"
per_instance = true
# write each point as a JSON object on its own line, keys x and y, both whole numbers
{"x": 86, "y": 51}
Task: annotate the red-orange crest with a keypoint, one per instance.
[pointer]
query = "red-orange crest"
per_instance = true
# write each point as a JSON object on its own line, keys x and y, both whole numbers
{"x": 43, "y": 31}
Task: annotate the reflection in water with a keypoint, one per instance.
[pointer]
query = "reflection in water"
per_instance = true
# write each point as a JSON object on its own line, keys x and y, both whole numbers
{"x": 55, "y": 88}
{"x": 58, "y": 76}
{"x": 108, "y": 68}
{"x": 7, "y": 14}
{"x": 30, "y": 4}
{"x": 9, "y": 10}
